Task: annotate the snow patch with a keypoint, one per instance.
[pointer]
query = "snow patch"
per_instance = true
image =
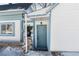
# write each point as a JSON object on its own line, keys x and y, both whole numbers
{"x": 11, "y": 51}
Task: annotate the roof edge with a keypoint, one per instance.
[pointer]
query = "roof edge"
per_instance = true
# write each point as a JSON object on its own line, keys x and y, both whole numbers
{"x": 12, "y": 10}
{"x": 44, "y": 13}
{"x": 53, "y": 6}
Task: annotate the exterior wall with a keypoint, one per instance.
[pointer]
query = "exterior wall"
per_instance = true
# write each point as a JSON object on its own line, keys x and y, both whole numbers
{"x": 16, "y": 36}
{"x": 16, "y": 18}
{"x": 65, "y": 27}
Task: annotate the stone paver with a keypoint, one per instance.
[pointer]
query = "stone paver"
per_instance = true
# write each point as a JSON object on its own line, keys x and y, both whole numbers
{"x": 38, "y": 53}
{"x": 14, "y": 51}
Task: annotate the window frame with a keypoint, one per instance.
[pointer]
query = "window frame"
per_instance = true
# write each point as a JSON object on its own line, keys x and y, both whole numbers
{"x": 5, "y": 23}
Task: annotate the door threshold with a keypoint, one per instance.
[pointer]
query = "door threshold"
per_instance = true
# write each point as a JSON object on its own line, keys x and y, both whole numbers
{"x": 40, "y": 49}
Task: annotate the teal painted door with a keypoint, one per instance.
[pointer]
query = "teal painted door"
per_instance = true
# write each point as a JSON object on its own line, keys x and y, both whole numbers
{"x": 42, "y": 37}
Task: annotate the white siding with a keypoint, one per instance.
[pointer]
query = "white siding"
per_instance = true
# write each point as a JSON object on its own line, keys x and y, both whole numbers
{"x": 65, "y": 27}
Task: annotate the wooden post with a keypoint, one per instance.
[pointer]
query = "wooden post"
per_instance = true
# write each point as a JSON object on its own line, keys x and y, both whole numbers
{"x": 25, "y": 40}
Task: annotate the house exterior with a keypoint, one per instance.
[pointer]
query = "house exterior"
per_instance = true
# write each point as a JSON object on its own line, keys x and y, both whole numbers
{"x": 65, "y": 27}
{"x": 55, "y": 28}
{"x": 41, "y": 23}
{"x": 12, "y": 26}
{"x": 62, "y": 26}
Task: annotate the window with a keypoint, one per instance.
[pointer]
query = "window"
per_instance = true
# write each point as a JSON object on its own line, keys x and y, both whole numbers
{"x": 7, "y": 28}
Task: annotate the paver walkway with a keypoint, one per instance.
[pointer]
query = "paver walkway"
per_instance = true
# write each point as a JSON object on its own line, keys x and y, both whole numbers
{"x": 38, "y": 53}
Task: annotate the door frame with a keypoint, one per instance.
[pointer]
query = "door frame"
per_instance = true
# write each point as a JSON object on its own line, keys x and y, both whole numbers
{"x": 37, "y": 33}
{"x": 35, "y": 23}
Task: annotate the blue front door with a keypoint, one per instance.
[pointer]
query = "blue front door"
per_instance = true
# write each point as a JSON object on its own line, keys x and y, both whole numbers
{"x": 42, "y": 37}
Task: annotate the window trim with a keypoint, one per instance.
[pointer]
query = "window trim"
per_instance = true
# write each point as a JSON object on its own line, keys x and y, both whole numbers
{"x": 13, "y": 23}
